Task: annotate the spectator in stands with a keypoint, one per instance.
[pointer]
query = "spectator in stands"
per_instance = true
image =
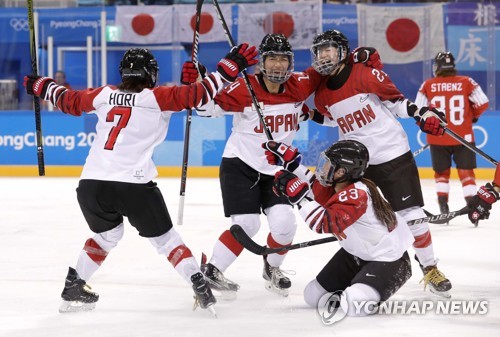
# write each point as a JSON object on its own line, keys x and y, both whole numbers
{"x": 60, "y": 78}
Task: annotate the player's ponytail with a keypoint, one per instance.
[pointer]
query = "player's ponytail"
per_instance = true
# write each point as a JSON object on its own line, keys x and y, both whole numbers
{"x": 383, "y": 209}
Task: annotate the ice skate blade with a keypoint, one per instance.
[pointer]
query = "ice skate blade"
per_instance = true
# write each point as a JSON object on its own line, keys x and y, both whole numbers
{"x": 273, "y": 289}
{"x": 212, "y": 311}
{"x": 75, "y": 306}
{"x": 443, "y": 294}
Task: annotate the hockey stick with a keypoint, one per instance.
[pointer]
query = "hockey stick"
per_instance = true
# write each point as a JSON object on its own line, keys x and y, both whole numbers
{"x": 36, "y": 100}
{"x": 185, "y": 155}
{"x": 470, "y": 146}
{"x": 245, "y": 75}
{"x": 253, "y": 247}
{"x": 242, "y": 237}
{"x": 422, "y": 149}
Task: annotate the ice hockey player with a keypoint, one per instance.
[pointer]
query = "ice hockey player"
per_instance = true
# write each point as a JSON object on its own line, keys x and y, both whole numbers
{"x": 364, "y": 104}
{"x": 116, "y": 181}
{"x": 245, "y": 176}
{"x": 373, "y": 262}
{"x": 486, "y": 196}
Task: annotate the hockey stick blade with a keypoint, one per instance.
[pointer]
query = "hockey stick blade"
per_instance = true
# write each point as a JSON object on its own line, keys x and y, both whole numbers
{"x": 253, "y": 247}
{"x": 439, "y": 219}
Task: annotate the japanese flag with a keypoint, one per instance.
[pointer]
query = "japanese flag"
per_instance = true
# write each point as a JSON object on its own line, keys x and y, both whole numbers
{"x": 145, "y": 24}
{"x": 299, "y": 22}
{"x": 210, "y": 28}
{"x": 402, "y": 34}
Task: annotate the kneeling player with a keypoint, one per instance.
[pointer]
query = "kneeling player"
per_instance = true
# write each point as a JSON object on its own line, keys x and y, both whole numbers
{"x": 372, "y": 263}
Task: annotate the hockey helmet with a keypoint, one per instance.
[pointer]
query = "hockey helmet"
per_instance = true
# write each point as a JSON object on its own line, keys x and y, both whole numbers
{"x": 443, "y": 61}
{"x": 323, "y": 42}
{"x": 276, "y": 44}
{"x": 139, "y": 63}
{"x": 350, "y": 155}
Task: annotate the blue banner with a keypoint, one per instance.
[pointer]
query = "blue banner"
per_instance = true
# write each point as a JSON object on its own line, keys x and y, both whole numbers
{"x": 67, "y": 139}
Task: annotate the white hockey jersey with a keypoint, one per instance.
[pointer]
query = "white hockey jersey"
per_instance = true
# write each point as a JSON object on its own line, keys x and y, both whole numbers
{"x": 281, "y": 114}
{"x": 130, "y": 125}
{"x": 350, "y": 215}
{"x": 365, "y": 108}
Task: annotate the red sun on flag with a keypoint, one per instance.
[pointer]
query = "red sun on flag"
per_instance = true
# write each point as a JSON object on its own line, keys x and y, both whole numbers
{"x": 143, "y": 24}
{"x": 403, "y": 34}
{"x": 279, "y": 23}
{"x": 206, "y": 22}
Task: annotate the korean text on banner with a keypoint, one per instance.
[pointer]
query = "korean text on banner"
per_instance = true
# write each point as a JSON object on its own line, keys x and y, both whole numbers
{"x": 402, "y": 34}
{"x": 145, "y": 24}
{"x": 210, "y": 29}
{"x": 299, "y": 22}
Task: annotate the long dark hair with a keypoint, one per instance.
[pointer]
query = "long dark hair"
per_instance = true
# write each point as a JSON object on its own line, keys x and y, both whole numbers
{"x": 383, "y": 211}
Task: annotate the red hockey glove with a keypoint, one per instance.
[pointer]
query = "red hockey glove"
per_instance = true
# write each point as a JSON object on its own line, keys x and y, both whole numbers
{"x": 430, "y": 120}
{"x": 480, "y": 204}
{"x": 190, "y": 73}
{"x": 291, "y": 186}
{"x": 367, "y": 55}
{"x": 282, "y": 154}
{"x": 36, "y": 85}
{"x": 237, "y": 60}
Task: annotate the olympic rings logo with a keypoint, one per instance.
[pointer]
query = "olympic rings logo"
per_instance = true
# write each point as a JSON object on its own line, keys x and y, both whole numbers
{"x": 477, "y": 130}
{"x": 19, "y": 24}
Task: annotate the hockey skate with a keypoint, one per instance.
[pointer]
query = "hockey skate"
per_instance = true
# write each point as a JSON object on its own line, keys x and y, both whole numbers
{"x": 203, "y": 296}
{"x": 435, "y": 279}
{"x": 276, "y": 282}
{"x": 443, "y": 206}
{"x": 218, "y": 282}
{"x": 77, "y": 294}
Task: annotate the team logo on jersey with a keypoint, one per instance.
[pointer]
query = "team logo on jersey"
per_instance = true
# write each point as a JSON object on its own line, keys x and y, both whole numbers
{"x": 362, "y": 99}
{"x": 356, "y": 119}
{"x": 280, "y": 123}
{"x": 329, "y": 308}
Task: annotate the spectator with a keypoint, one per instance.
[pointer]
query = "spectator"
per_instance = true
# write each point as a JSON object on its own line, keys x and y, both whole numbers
{"x": 60, "y": 78}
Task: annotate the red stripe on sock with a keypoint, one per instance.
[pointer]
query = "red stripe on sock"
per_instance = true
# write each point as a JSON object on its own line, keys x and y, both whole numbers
{"x": 273, "y": 244}
{"x": 94, "y": 251}
{"x": 230, "y": 242}
{"x": 422, "y": 241}
{"x": 178, "y": 254}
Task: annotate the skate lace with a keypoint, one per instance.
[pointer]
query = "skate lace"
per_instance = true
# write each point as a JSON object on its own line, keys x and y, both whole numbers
{"x": 276, "y": 272}
{"x": 434, "y": 276}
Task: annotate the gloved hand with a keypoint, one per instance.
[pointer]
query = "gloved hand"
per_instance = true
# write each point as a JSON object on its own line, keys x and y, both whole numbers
{"x": 430, "y": 120}
{"x": 37, "y": 85}
{"x": 237, "y": 60}
{"x": 190, "y": 73}
{"x": 480, "y": 205}
{"x": 282, "y": 154}
{"x": 367, "y": 55}
{"x": 288, "y": 184}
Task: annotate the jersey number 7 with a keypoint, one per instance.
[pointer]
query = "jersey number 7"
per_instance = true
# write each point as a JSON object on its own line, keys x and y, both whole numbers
{"x": 124, "y": 113}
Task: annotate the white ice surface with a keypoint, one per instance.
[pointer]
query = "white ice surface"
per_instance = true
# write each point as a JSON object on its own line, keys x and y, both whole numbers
{"x": 42, "y": 232}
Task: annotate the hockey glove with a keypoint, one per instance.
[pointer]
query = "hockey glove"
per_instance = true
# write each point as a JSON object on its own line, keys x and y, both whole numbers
{"x": 190, "y": 73}
{"x": 237, "y": 60}
{"x": 282, "y": 154}
{"x": 367, "y": 55}
{"x": 36, "y": 85}
{"x": 291, "y": 186}
{"x": 431, "y": 120}
{"x": 480, "y": 205}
